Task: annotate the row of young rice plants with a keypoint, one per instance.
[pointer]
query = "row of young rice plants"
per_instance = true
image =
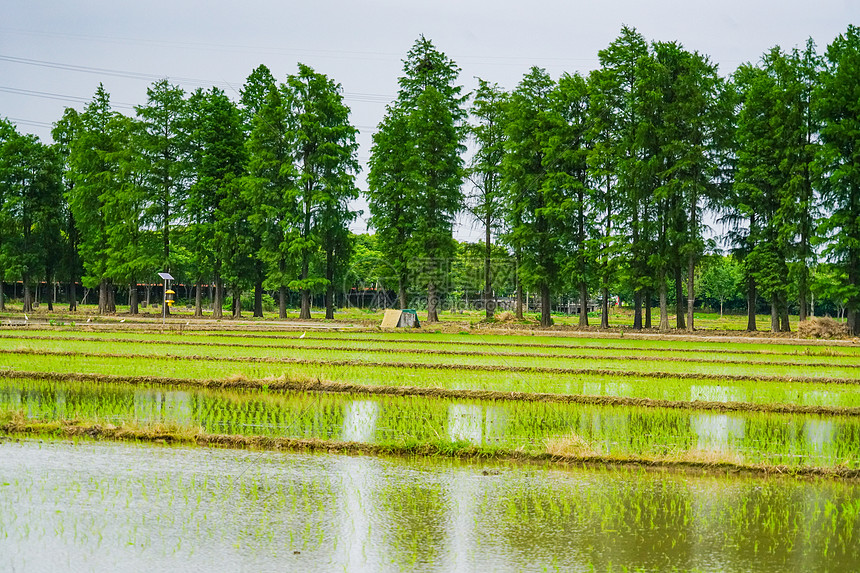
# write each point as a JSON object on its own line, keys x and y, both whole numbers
{"x": 470, "y": 340}
{"x": 619, "y": 432}
{"x": 610, "y": 385}
{"x": 334, "y": 354}
{"x": 268, "y": 347}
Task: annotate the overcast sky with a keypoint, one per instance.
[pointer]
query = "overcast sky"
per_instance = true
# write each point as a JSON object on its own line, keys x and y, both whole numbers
{"x": 54, "y": 53}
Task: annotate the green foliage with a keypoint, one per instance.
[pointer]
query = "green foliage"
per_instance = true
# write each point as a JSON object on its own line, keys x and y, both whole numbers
{"x": 838, "y": 105}
{"x": 416, "y": 168}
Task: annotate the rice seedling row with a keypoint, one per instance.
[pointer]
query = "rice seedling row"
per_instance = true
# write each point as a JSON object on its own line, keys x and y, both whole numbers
{"x": 294, "y": 383}
{"x": 558, "y": 340}
{"x": 500, "y": 352}
{"x": 714, "y": 371}
{"x": 536, "y": 428}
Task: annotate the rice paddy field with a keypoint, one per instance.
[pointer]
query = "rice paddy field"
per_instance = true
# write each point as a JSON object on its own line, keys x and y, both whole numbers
{"x": 322, "y": 446}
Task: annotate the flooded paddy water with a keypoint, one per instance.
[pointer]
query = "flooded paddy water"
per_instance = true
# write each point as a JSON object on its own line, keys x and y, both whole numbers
{"x": 123, "y": 507}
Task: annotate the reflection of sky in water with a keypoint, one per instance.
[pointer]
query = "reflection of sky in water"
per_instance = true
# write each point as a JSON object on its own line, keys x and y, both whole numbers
{"x": 359, "y": 421}
{"x": 465, "y": 423}
{"x": 124, "y": 507}
{"x": 476, "y": 424}
{"x": 819, "y": 434}
{"x": 818, "y": 398}
{"x": 607, "y": 389}
{"x": 717, "y": 432}
{"x": 717, "y": 393}
{"x": 167, "y": 406}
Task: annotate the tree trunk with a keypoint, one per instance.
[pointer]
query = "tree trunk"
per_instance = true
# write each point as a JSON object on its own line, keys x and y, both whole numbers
{"x": 774, "y": 313}
{"x": 329, "y": 291}
{"x": 218, "y": 299}
{"x": 646, "y": 301}
{"x": 132, "y": 298}
{"x": 3, "y": 296}
{"x": 432, "y": 303}
{"x": 604, "y": 308}
{"x": 637, "y": 310}
{"x": 489, "y": 302}
{"x": 518, "y": 305}
{"x": 545, "y": 306}
{"x": 853, "y": 276}
{"x": 305, "y": 312}
{"x": 518, "y": 311}
{"x": 282, "y": 302}
{"x": 28, "y": 295}
{"x": 691, "y": 292}
{"x": 803, "y": 292}
{"x": 784, "y": 325}
{"x": 111, "y": 298}
{"x": 329, "y": 302}
{"x": 198, "y": 299}
{"x": 664, "y": 306}
{"x": 751, "y": 304}
{"x": 237, "y": 302}
{"x": 73, "y": 295}
{"x": 258, "y": 298}
{"x": 680, "y": 324}
{"x": 102, "y": 296}
{"x": 583, "y": 303}
{"x": 52, "y": 297}
{"x": 401, "y": 293}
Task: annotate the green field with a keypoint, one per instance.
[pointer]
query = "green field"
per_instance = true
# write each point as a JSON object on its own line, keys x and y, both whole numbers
{"x": 720, "y": 421}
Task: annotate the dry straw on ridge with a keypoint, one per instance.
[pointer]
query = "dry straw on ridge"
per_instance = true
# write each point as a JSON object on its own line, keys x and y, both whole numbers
{"x": 822, "y": 327}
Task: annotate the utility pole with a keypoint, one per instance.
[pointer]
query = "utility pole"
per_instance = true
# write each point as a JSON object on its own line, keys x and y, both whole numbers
{"x": 167, "y": 277}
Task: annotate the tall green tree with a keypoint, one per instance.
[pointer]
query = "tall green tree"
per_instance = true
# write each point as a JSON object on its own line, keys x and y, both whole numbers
{"x": 218, "y": 159}
{"x": 253, "y": 97}
{"x": 324, "y": 154}
{"x": 838, "y": 163}
{"x": 271, "y": 192}
{"x": 164, "y": 148}
{"x": 64, "y": 133}
{"x": 535, "y": 203}
{"x": 389, "y": 197}
{"x": 618, "y": 81}
{"x": 774, "y": 189}
{"x": 7, "y": 132}
{"x": 94, "y": 166}
{"x": 30, "y": 176}
{"x": 486, "y": 201}
{"x": 800, "y": 128}
{"x": 691, "y": 118}
{"x": 566, "y": 147}
{"x": 131, "y": 249}
{"x": 428, "y": 119}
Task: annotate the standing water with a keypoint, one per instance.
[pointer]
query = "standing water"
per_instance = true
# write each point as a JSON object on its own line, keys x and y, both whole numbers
{"x": 123, "y": 507}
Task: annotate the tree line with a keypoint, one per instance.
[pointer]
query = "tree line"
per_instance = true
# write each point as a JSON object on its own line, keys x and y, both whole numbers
{"x": 589, "y": 184}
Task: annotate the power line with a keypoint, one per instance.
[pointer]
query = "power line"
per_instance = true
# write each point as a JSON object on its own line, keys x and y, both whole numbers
{"x": 34, "y": 123}
{"x": 351, "y": 96}
{"x": 60, "y": 97}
